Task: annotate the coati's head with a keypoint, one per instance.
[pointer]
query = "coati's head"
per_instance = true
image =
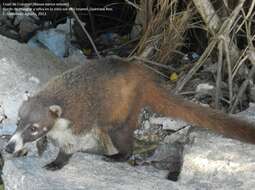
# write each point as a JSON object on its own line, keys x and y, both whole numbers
{"x": 35, "y": 120}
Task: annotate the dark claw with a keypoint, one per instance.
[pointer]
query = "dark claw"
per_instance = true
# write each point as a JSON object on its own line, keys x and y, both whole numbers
{"x": 116, "y": 158}
{"x": 53, "y": 166}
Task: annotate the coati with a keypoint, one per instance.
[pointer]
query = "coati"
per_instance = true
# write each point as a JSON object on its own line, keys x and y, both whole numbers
{"x": 94, "y": 107}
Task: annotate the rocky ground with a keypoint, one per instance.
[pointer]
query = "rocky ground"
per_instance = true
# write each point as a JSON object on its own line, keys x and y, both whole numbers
{"x": 209, "y": 161}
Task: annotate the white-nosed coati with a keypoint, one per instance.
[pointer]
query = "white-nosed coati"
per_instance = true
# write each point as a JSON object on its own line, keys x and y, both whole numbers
{"x": 95, "y": 108}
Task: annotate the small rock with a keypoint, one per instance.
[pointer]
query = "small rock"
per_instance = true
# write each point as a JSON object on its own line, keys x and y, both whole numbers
{"x": 18, "y": 19}
{"x": 167, "y": 156}
{"x": 212, "y": 161}
{"x": 26, "y": 29}
{"x": 204, "y": 88}
{"x": 180, "y": 136}
{"x": 148, "y": 133}
{"x": 168, "y": 123}
{"x": 84, "y": 171}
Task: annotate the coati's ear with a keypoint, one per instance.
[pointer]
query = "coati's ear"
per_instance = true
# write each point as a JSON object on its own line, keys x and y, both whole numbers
{"x": 56, "y": 110}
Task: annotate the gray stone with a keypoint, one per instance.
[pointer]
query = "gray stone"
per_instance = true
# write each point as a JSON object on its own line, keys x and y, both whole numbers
{"x": 168, "y": 123}
{"x": 180, "y": 136}
{"x": 167, "y": 156}
{"x": 18, "y": 19}
{"x": 22, "y": 69}
{"x": 26, "y": 29}
{"x": 84, "y": 171}
{"x": 212, "y": 161}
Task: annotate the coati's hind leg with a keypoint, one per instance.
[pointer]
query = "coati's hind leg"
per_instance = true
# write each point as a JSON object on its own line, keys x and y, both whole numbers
{"x": 61, "y": 160}
{"x": 122, "y": 139}
{"x": 122, "y": 134}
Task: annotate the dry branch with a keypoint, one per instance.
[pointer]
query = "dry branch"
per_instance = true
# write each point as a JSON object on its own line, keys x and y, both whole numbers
{"x": 163, "y": 29}
{"x": 132, "y": 4}
{"x": 250, "y": 54}
{"x": 243, "y": 86}
{"x": 209, "y": 15}
{"x": 219, "y": 73}
{"x": 247, "y": 16}
{"x": 213, "y": 23}
{"x": 85, "y": 31}
{"x": 197, "y": 65}
{"x": 222, "y": 34}
{"x": 229, "y": 66}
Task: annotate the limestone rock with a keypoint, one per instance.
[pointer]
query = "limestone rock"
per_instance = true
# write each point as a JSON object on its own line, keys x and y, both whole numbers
{"x": 22, "y": 69}
{"x": 212, "y": 161}
{"x": 84, "y": 171}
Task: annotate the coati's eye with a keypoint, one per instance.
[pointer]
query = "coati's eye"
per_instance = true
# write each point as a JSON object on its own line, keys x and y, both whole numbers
{"x": 34, "y": 128}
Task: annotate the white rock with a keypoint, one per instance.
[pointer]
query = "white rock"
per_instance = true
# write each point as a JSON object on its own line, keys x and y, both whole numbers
{"x": 212, "y": 161}
{"x": 84, "y": 171}
{"x": 168, "y": 123}
{"x": 204, "y": 88}
{"x": 21, "y": 69}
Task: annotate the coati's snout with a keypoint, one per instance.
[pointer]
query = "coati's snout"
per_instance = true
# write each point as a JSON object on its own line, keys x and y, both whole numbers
{"x": 24, "y": 134}
{"x": 34, "y": 122}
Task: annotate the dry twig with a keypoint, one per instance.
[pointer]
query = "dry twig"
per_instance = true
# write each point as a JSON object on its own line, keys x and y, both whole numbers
{"x": 132, "y": 4}
{"x": 161, "y": 26}
{"x": 243, "y": 88}
{"x": 85, "y": 31}
{"x": 213, "y": 23}
{"x": 221, "y": 34}
{"x": 230, "y": 80}
{"x": 219, "y": 73}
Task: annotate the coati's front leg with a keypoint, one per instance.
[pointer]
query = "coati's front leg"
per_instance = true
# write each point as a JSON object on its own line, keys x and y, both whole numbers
{"x": 61, "y": 160}
{"x": 41, "y": 145}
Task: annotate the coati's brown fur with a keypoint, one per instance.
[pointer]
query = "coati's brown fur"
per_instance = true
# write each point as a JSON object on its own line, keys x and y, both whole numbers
{"x": 107, "y": 95}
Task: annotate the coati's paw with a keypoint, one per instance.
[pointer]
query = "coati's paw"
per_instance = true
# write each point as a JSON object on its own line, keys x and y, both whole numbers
{"x": 116, "y": 158}
{"x": 173, "y": 176}
{"x": 41, "y": 145}
{"x": 61, "y": 160}
{"x": 53, "y": 166}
